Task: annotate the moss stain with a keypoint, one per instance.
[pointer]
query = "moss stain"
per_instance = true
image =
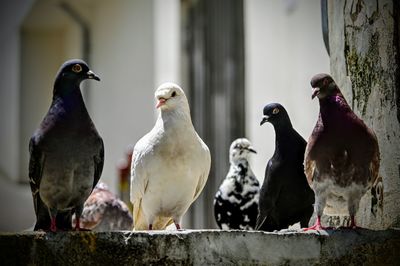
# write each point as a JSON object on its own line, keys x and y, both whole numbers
{"x": 364, "y": 72}
{"x": 90, "y": 240}
{"x": 354, "y": 13}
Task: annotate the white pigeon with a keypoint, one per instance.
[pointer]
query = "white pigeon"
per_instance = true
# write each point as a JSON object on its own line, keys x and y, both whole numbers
{"x": 170, "y": 164}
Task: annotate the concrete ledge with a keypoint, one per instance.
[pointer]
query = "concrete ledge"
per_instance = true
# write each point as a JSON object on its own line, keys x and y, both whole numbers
{"x": 201, "y": 247}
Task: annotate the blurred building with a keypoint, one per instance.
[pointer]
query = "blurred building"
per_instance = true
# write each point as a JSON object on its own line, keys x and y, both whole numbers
{"x": 231, "y": 56}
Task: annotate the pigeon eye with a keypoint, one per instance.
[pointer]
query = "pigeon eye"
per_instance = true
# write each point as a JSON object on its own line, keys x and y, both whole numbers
{"x": 173, "y": 94}
{"x": 275, "y": 111}
{"x": 77, "y": 68}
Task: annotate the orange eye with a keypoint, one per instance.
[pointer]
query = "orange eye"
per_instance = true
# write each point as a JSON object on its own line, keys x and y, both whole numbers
{"x": 275, "y": 111}
{"x": 77, "y": 68}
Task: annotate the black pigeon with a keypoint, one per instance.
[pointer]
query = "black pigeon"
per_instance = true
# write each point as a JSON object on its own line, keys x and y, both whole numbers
{"x": 285, "y": 196}
{"x": 66, "y": 152}
{"x": 236, "y": 201}
{"x": 342, "y": 157}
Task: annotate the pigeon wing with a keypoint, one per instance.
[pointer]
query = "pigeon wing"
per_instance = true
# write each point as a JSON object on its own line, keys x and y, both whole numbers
{"x": 36, "y": 162}
{"x": 269, "y": 193}
{"x": 374, "y": 166}
{"x": 139, "y": 181}
{"x": 98, "y": 163}
{"x": 309, "y": 169}
{"x": 312, "y": 146}
{"x": 374, "y": 159}
{"x": 203, "y": 178}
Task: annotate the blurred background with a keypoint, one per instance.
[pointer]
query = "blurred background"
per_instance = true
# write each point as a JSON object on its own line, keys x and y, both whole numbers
{"x": 231, "y": 57}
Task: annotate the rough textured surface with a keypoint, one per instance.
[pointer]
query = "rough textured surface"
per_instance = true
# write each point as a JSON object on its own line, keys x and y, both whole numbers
{"x": 364, "y": 43}
{"x": 360, "y": 247}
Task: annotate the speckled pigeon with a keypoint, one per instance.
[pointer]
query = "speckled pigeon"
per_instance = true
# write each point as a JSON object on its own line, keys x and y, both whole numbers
{"x": 170, "y": 164}
{"x": 236, "y": 201}
{"x": 342, "y": 156}
{"x": 103, "y": 211}
{"x": 66, "y": 152}
{"x": 285, "y": 197}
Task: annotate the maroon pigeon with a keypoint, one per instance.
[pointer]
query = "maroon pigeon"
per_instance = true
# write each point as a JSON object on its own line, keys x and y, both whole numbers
{"x": 342, "y": 155}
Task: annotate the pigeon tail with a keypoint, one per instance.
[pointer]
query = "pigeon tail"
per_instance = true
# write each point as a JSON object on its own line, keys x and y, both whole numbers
{"x": 140, "y": 222}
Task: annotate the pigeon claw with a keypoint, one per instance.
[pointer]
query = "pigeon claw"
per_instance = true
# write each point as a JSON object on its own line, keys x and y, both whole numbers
{"x": 53, "y": 227}
{"x": 317, "y": 226}
{"x": 314, "y": 227}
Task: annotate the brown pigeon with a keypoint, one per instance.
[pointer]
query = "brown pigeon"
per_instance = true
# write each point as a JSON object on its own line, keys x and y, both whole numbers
{"x": 342, "y": 155}
{"x": 103, "y": 211}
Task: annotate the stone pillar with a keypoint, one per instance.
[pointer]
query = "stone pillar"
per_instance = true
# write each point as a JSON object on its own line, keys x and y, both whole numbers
{"x": 365, "y": 61}
{"x": 215, "y": 50}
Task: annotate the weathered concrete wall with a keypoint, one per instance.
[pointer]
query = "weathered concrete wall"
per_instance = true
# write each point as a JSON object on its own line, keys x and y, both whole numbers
{"x": 364, "y": 45}
{"x": 361, "y": 247}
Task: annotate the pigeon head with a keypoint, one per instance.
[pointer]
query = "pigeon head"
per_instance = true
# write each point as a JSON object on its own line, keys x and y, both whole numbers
{"x": 323, "y": 85}
{"x": 74, "y": 72}
{"x": 170, "y": 96}
{"x": 276, "y": 115}
{"x": 240, "y": 150}
{"x": 102, "y": 186}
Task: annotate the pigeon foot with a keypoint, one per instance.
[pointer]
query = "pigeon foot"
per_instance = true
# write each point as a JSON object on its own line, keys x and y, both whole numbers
{"x": 53, "y": 227}
{"x": 317, "y": 226}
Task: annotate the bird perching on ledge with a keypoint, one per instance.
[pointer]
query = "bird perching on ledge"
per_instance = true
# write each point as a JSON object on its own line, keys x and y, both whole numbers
{"x": 66, "y": 153}
{"x": 342, "y": 155}
{"x": 285, "y": 197}
{"x": 170, "y": 164}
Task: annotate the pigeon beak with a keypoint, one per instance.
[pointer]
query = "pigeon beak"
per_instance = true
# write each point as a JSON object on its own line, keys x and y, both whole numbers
{"x": 265, "y": 119}
{"x": 161, "y": 102}
{"x": 251, "y": 149}
{"x": 91, "y": 75}
{"x": 315, "y": 92}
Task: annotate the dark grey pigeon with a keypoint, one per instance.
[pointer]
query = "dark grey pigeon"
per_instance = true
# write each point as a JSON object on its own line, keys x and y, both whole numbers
{"x": 285, "y": 196}
{"x": 66, "y": 153}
